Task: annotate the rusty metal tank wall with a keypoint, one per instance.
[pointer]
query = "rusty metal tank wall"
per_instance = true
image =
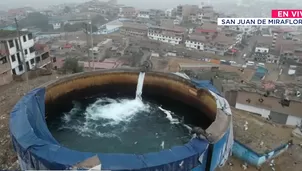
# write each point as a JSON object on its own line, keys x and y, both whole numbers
{"x": 162, "y": 83}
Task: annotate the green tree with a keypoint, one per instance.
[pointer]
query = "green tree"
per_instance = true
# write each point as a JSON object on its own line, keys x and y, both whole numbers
{"x": 35, "y": 19}
{"x": 71, "y": 65}
{"x": 67, "y": 9}
{"x": 99, "y": 20}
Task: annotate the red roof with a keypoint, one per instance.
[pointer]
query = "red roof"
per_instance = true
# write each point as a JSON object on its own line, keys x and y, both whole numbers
{"x": 268, "y": 85}
{"x": 59, "y": 62}
{"x": 16, "y": 11}
{"x": 282, "y": 30}
{"x": 3, "y": 52}
{"x": 199, "y": 30}
{"x": 40, "y": 46}
{"x": 234, "y": 50}
{"x": 67, "y": 46}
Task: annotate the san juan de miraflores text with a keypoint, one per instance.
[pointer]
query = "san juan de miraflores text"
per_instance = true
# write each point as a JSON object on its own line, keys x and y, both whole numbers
{"x": 261, "y": 21}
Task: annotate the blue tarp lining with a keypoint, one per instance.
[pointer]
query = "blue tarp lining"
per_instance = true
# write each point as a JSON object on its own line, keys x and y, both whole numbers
{"x": 205, "y": 84}
{"x": 218, "y": 150}
{"x": 39, "y": 150}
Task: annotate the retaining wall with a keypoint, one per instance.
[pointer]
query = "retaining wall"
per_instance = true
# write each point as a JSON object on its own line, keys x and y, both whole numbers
{"x": 246, "y": 154}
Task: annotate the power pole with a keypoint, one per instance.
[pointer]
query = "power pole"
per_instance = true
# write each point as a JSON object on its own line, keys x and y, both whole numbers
{"x": 91, "y": 39}
{"x": 87, "y": 41}
{"x": 22, "y": 54}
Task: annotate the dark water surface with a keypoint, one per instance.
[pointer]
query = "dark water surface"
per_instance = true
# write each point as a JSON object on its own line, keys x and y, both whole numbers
{"x": 122, "y": 125}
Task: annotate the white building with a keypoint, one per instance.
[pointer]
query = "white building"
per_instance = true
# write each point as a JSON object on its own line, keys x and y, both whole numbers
{"x": 13, "y": 50}
{"x": 111, "y": 27}
{"x": 143, "y": 14}
{"x": 127, "y": 12}
{"x": 194, "y": 43}
{"x": 178, "y": 20}
{"x": 239, "y": 38}
{"x": 174, "y": 35}
{"x": 56, "y": 26}
{"x": 262, "y": 49}
{"x": 169, "y": 12}
{"x": 286, "y": 112}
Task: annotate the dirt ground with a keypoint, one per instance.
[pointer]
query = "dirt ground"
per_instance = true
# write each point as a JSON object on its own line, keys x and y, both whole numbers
{"x": 272, "y": 135}
{"x": 10, "y": 94}
{"x": 258, "y": 130}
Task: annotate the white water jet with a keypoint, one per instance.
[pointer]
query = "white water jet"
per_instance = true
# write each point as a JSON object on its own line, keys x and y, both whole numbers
{"x": 140, "y": 84}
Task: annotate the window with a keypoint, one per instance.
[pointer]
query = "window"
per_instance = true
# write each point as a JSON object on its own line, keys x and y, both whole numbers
{"x": 25, "y": 52}
{"x": 31, "y": 49}
{"x": 30, "y": 36}
{"x": 20, "y": 67}
{"x": 32, "y": 61}
{"x": 13, "y": 58}
{"x": 11, "y": 43}
{"x": 14, "y": 71}
{"x": 3, "y": 60}
{"x": 38, "y": 59}
{"x": 24, "y": 38}
{"x": 17, "y": 44}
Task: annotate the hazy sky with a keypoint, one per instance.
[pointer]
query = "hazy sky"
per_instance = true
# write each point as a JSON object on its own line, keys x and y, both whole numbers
{"x": 161, "y": 4}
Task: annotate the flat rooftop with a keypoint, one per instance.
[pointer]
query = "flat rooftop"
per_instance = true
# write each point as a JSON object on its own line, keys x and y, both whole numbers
{"x": 7, "y": 34}
{"x": 261, "y": 135}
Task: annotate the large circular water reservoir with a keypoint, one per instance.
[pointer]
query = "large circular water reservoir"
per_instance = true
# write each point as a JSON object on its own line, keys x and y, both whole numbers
{"x": 121, "y": 120}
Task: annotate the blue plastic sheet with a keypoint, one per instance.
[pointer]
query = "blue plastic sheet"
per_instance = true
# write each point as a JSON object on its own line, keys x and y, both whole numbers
{"x": 205, "y": 84}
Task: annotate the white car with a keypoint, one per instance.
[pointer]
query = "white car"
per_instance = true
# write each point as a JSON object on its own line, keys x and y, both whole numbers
{"x": 250, "y": 63}
{"x": 233, "y": 62}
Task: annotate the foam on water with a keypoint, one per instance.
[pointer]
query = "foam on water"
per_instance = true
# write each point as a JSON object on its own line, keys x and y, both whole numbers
{"x": 102, "y": 113}
{"x": 114, "y": 111}
{"x": 68, "y": 116}
{"x": 169, "y": 116}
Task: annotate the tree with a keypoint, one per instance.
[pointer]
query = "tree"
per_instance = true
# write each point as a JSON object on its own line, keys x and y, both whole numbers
{"x": 99, "y": 20}
{"x": 67, "y": 9}
{"x": 35, "y": 19}
{"x": 71, "y": 65}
